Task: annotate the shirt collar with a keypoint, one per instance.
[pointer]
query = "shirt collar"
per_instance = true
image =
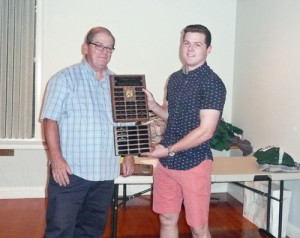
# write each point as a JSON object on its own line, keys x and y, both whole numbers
{"x": 186, "y": 72}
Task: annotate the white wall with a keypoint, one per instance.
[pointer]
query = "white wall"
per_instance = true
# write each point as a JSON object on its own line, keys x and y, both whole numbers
{"x": 266, "y": 98}
{"x": 147, "y": 42}
{"x": 147, "y": 36}
{"x": 24, "y": 175}
{"x": 255, "y": 42}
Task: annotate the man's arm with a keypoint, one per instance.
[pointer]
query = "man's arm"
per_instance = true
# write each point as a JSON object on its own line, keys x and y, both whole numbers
{"x": 209, "y": 119}
{"x": 160, "y": 111}
{"x": 128, "y": 165}
{"x": 208, "y": 122}
{"x": 60, "y": 168}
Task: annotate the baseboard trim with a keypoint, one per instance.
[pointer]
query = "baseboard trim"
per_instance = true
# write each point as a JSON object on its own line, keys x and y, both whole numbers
{"x": 292, "y": 231}
{"x": 40, "y": 192}
{"x": 22, "y": 192}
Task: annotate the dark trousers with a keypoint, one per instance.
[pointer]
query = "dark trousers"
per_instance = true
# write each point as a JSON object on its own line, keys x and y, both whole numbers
{"x": 78, "y": 210}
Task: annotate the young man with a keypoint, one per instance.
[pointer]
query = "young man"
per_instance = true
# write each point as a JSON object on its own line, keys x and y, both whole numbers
{"x": 195, "y": 101}
{"x": 78, "y": 128}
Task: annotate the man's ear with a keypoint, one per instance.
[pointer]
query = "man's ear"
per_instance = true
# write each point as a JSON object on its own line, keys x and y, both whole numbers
{"x": 84, "y": 48}
{"x": 209, "y": 49}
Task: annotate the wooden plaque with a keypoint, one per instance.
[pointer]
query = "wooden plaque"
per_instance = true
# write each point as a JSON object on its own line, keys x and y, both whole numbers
{"x": 129, "y": 102}
{"x": 132, "y": 139}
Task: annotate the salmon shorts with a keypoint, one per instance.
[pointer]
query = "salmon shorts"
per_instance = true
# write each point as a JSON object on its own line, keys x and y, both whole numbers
{"x": 191, "y": 187}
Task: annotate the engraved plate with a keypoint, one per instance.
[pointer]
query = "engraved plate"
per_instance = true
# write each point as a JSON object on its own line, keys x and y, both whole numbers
{"x": 132, "y": 139}
{"x": 129, "y": 102}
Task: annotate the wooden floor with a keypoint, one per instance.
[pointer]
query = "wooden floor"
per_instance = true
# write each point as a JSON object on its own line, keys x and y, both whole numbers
{"x": 24, "y": 218}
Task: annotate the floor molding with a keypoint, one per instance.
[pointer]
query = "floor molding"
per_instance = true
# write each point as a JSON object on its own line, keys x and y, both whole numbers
{"x": 22, "y": 192}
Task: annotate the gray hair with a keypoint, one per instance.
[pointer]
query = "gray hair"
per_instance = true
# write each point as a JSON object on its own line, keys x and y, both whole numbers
{"x": 95, "y": 30}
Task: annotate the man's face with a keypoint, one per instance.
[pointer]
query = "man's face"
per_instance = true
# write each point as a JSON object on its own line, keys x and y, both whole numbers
{"x": 98, "y": 59}
{"x": 194, "y": 50}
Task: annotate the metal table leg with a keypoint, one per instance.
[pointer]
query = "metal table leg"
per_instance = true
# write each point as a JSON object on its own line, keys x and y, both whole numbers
{"x": 114, "y": 214}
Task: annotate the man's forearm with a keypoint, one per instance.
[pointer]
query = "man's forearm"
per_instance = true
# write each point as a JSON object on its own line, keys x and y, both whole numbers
{"x": 208, "y": 123}
{"x": 160, "y": 111}
{"x": 51, "y": 132}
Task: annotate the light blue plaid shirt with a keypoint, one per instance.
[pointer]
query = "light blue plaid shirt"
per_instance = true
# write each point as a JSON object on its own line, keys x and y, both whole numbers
{"x": 82, "y": 107}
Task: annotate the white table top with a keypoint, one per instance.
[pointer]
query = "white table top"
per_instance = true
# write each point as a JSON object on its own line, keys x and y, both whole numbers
{"x": 241, "y": 169}
{"x": 225, "y": 169}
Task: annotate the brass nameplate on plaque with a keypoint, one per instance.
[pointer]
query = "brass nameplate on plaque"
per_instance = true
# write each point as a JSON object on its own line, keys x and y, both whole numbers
{"x": 129, "y": 102}
{"x": 132, "y": 139}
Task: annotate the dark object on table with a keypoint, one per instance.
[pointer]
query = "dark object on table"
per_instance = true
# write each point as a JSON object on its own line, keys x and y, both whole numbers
{"x": 228, "y": 135}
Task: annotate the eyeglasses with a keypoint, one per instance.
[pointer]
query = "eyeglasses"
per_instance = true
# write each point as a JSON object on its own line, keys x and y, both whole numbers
{"x": 101, "y": 47}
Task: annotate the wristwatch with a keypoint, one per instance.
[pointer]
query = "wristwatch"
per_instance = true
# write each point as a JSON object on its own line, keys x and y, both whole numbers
{"x": 171, "y": 152}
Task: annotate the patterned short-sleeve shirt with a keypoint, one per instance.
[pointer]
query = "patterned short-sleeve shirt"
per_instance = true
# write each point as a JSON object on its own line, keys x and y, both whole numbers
{"x": 81, "y": 105}
{"x": 187, "y": 94}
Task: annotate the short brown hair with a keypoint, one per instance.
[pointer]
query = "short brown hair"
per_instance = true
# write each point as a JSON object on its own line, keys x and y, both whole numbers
{"x": 200, "y": 29}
